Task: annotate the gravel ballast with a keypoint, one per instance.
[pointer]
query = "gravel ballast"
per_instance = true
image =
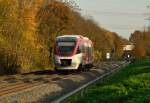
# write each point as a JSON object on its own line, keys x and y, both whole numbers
{"x": 52, "y": 90}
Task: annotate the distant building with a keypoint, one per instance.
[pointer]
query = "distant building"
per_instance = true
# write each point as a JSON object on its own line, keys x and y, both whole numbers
{"x": 128, "y": 47}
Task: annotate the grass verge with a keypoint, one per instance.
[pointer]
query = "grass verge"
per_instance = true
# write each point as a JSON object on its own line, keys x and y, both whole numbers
{"x": 129, "y": 85}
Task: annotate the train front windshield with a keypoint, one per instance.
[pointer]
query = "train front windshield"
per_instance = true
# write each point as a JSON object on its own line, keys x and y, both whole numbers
{"x": 66, "y": 45}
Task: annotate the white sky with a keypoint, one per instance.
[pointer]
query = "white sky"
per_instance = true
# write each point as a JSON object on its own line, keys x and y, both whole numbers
{"x": 121, "y": 16}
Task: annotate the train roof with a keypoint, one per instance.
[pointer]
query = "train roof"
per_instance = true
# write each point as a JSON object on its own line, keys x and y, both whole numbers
{"x": 76, "y": 36}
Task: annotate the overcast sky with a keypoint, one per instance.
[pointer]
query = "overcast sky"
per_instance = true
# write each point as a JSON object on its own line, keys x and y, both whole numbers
{"x": 121, "y": 16}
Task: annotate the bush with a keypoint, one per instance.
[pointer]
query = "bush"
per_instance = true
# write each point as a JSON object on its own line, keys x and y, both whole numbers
{"x": 97, "y": 56}
{"x": 8, "y": 62}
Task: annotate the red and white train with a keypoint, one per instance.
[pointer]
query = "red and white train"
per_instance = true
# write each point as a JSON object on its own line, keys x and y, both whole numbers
{"x": 73, "y": 52}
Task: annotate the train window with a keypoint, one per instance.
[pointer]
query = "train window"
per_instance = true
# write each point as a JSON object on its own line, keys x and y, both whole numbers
{"x": 86, "y": 50}
{"x": 86, "y": 47}
{"x": 66, "y": 48}
{"x": 82, "y": 48}
{"x": 66, "y": 39}
{"x": 90, "y": 50}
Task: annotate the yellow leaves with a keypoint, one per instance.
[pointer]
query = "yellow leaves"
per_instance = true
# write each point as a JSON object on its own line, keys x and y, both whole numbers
{"x": 56, "y": 15}
{"x": 110, "y": 37}
{"x": 4, "y": 42}
{"x": 141, "y": 42}
{"x": 1, "y": 39}
{"x": 97, "y": 56}
{"x": 31, "y": 39}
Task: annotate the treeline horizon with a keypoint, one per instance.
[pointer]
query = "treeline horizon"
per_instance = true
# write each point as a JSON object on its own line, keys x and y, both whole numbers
{"x": 28, "y": 30}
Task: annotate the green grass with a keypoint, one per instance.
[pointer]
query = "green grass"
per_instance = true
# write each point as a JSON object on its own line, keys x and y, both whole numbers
{"x": 129, "y": 85}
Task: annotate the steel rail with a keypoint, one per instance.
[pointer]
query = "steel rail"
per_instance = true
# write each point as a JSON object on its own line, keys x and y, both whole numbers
{"x": 87, "y": 84}
{"x": 20, "y": 86}
{"x": 14, "y": 88}
{"x": 18, "y": 89}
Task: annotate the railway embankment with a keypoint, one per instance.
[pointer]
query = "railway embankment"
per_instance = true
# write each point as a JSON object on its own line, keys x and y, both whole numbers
{"x": 130, "y": 85}
{"x": 51, "y": 86}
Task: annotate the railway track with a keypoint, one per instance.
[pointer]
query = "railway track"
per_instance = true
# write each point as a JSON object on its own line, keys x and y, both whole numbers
{"x": 17, "y": 87}
{"x": 20, "y": 85}
{"x": 87, "y": 84}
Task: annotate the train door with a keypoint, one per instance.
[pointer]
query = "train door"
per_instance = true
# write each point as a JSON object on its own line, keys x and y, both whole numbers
{"x": 85, "y": 53}
{"x": 88, "y": 52}
{"x": 82, "y": 46}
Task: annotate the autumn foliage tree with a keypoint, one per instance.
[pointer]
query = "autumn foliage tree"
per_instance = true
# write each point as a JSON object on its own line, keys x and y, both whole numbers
{"x": 104, "y": 40}
{"x": 53, "y": 19}
{"x": 141, "y": 41}
{"x": 19, "y": 44}
{"x": 28, "y": 29}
